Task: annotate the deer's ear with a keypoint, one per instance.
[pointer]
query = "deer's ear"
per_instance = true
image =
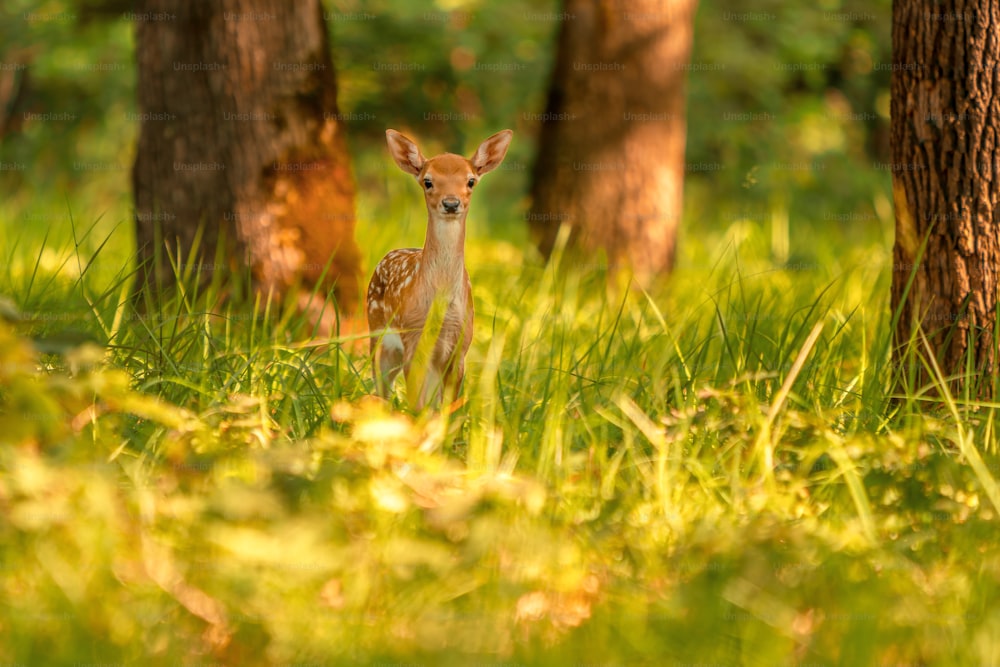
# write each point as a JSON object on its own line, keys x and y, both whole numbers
{"x": 404, "y": 152}
{"x": 491, "y": 152}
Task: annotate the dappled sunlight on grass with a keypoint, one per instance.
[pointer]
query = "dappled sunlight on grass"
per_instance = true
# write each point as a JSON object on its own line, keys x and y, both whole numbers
{"x": 709, "y": 471}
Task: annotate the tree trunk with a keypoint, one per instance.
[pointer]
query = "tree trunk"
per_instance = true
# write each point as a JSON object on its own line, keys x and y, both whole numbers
{"x": 239, "y": 136}
{"x": 945, "y": 180}
{"x": 611, "y": 153}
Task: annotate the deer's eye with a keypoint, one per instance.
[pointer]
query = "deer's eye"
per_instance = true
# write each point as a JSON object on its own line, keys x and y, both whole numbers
{"x": 428, "y": 184}
{"x": 472, "y": 182}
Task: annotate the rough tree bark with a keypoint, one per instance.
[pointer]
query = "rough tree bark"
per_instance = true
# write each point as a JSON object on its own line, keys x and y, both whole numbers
{"x": 611, "y": 153}
{"x": 240, "y": 135}
{"x": 946, "y": 175}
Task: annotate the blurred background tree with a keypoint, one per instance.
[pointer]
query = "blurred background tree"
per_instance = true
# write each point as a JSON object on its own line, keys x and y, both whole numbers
{"x": 610, "y": 162}
{"x": 787, "y": 106}
{"x": 241, "y": 146}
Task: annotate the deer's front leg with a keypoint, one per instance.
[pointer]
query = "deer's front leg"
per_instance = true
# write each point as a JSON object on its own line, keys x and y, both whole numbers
{"x": 387, "y": 362}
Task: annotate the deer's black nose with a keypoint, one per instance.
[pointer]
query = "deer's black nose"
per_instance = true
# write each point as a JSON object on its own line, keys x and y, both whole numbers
{"x": 451, "y": 204}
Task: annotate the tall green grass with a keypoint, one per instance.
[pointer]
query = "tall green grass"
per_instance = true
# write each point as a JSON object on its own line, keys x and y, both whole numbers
{"x": 716, "y": 471}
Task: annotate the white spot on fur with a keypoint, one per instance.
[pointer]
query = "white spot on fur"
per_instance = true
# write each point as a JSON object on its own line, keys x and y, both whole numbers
{"x": 392, "y": 343}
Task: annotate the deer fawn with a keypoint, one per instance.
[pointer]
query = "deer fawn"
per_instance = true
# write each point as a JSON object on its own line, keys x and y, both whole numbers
{"x": 417, "y": 291}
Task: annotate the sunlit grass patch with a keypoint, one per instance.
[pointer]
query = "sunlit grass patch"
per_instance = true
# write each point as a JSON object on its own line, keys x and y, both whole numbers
{"x": 718, "y": 470}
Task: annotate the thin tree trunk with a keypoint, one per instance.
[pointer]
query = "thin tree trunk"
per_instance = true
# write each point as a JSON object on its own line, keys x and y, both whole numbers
{"x": 946, "y": 176}
{"x": 611, "y": 154}
{"x": 240, "y": 136}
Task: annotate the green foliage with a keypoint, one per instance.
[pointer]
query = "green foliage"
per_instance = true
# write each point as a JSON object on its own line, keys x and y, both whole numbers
{"x": 789, "y": 106}
{"x": 70, "y": 112}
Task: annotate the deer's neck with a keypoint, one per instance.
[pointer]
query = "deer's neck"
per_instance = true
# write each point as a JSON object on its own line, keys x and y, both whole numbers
{"x": 443, "y": 260}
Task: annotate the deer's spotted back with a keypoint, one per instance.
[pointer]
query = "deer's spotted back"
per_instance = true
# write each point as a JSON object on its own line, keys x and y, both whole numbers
{"x": 392, "y": 277}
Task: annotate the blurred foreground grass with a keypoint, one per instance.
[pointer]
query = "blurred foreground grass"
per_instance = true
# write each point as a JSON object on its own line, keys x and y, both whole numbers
{"x": 713, "y": 473}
